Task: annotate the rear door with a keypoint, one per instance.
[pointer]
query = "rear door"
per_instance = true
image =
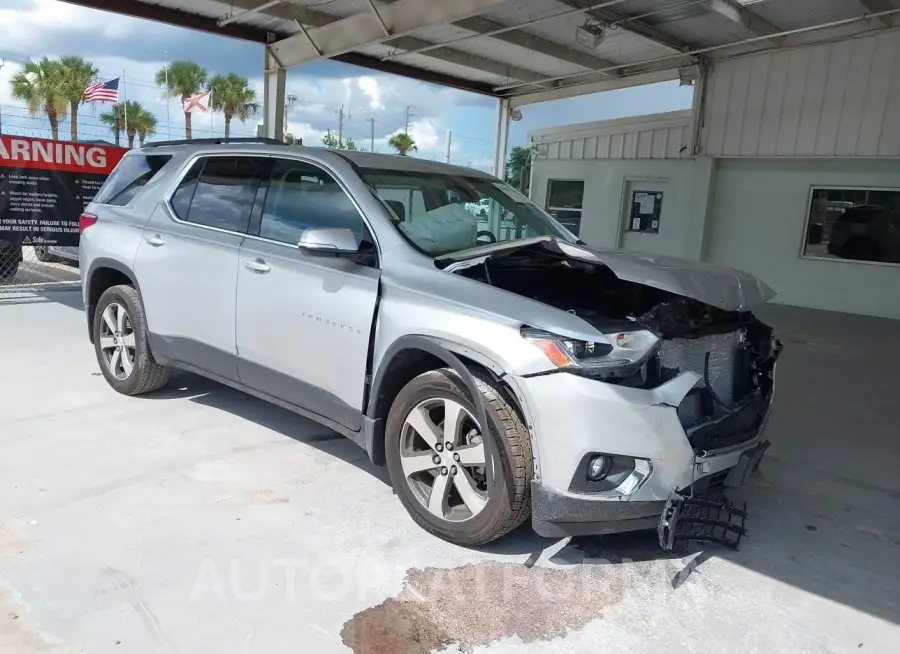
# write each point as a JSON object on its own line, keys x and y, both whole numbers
{"x": 304, "y": 321}
{"x": 187, "y": 262}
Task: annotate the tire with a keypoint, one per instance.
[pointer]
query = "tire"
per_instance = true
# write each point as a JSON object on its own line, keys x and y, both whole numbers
{"x": 143, "y": 375}
{"x": 41, "y": 253}
{"x": 860, "y": 249}
{"x": 510, "y": 502}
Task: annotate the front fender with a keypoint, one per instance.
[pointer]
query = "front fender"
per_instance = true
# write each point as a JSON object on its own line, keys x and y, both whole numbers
{"x": 375, "y": 434}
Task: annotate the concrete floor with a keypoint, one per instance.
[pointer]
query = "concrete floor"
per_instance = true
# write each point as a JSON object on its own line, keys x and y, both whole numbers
{"x": 202, "y": 520}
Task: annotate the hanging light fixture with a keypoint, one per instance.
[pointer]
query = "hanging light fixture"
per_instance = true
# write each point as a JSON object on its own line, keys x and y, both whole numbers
{"x": 590, "y": 35}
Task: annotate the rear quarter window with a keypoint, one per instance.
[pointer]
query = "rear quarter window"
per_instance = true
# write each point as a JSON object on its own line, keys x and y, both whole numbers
{"x": 129, "y": 177}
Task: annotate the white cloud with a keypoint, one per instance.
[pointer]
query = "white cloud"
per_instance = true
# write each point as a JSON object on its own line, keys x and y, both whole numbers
{"x": 369, "y": 86}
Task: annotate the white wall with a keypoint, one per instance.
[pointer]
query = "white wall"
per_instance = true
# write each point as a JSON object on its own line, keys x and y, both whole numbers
{"x": 834, "y": 99}
{"x": 657, "y": 136}
{"x": 681, "y": 230}
{"x": 757, "y": 223}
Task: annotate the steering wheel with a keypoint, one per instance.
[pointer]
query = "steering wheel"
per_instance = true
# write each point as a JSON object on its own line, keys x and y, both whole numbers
{"x": 486, "y": 234}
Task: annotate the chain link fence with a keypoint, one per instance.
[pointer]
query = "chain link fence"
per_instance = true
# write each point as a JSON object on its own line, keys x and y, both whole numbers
{"x": 38, "y": 267}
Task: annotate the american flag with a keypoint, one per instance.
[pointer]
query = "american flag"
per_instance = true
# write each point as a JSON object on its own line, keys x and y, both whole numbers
{"x": 103, "y": 91}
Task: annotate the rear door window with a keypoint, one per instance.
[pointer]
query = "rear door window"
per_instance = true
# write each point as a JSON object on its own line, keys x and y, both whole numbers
{"x": 219, "y": 192}
{"x": 129, "y": 177}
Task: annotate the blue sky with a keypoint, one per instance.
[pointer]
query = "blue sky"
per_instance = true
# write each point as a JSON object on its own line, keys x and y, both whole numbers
{"x": 119, "y": 45}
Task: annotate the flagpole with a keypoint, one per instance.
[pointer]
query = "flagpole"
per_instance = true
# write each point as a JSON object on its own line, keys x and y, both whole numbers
{"x": 209, "y": 105}
{"x": 168, "y": 97}
{"x": 125, "y": 103}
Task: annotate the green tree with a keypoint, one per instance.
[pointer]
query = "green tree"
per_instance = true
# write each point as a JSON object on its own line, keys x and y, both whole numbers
{"x": 77, "y": 74}
{"x": 144, "y": 124}
{"x": 41, "y": 85}
{"x": 331, "y": 142}
{"x": 233, "y": 96}
{"x": 182, "y": 79}
{"x": 516, "y": 162}
{"x": 402, "y": 143}
{"x": 115, "y": 120}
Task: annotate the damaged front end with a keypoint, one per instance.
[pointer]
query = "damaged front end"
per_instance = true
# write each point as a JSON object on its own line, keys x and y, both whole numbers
{"x": 701, "y": 331}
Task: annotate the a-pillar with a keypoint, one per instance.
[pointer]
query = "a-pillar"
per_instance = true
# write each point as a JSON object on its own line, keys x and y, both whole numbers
{"x": 273, "y": 99}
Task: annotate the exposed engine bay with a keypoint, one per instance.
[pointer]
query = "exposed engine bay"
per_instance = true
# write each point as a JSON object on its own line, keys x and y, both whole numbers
{"x": 732, "y": 352}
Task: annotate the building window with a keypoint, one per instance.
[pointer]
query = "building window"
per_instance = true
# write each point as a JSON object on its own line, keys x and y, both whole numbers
{"x": 854, "y": 224}
{"x": 564, "y": 198}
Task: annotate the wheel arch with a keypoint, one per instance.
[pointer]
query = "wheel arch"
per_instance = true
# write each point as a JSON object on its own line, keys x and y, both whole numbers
{"x": 102, "y": 274}
{"x": 410, "y": 356}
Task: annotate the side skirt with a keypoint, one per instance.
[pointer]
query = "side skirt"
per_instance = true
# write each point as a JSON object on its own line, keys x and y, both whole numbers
{"x": 358, "y": 437}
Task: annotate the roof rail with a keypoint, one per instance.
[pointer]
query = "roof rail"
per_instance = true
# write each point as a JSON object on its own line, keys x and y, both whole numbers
{"x": 216, "y": 141}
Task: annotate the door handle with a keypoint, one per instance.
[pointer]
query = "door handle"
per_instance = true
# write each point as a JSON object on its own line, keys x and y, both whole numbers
{"x": 257, "y": 266}
{"x": 156, "y": 240}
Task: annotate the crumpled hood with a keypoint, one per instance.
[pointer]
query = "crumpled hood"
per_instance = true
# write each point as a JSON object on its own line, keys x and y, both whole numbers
{"x": 719, "y": 286}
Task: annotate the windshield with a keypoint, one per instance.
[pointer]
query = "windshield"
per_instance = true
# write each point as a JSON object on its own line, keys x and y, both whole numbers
{"x": 442, "y": 213}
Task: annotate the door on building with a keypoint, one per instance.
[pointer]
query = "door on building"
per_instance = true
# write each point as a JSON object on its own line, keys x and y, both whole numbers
{"x": 645, "y": 206}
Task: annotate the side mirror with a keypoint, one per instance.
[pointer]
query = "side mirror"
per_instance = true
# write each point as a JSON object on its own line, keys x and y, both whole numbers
{"x": 328, "y": 241}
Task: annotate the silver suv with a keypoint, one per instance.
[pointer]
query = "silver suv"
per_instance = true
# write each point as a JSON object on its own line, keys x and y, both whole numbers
{"x": 497, "y": 365}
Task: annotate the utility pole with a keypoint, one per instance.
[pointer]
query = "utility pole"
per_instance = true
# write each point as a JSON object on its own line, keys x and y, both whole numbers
{"x": 340, "y": 113}
{"x": 408, "y": 114}
{"x": 289, "y": 101}
{"x": 371, "y": 134}
{"x": 449, "y": 140}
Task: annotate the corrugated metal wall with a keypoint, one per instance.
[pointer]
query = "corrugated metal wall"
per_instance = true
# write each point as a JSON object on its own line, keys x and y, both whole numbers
{"x": 837, "y": 99}
{"x": 665, "y": 136}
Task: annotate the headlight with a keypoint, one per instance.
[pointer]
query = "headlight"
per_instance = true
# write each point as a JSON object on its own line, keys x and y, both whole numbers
{"x": 626, "y": 350}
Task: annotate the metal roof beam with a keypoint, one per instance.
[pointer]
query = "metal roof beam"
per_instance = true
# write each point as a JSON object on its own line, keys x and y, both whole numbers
{"x": 875, "y": 6}
{"x": 453, "y": 56}
{"x": 538, "y": 44}
{"x": 347, "y": 34}
{"x": 734, "y": 11}
{"x": 450, "y": 55}
{"x": 635, "y": 26}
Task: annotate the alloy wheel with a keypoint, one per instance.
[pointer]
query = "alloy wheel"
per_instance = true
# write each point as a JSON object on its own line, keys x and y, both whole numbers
{"x": 442, "y": 455}
{"x": 117, "y": 341}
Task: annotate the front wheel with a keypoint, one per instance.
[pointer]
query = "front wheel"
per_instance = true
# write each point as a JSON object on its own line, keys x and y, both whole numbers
{"x": 436, "y": 458}
{"x": 42, "y": 254}
{"x": 120, "y": 342}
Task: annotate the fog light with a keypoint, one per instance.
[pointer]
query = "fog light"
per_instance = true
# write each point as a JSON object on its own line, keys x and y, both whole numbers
{"x": 597, "y": 468}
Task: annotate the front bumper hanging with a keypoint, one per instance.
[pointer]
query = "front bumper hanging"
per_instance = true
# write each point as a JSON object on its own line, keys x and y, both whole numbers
{"x": 701, "y": 519}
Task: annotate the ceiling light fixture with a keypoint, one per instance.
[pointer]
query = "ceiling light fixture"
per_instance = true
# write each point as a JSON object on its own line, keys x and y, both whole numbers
{"x": 590, "y": 35}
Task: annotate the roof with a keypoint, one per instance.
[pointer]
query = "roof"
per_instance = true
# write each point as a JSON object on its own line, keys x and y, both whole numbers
{"x": 362, "y": 159}
{"x": 528, "y": 50}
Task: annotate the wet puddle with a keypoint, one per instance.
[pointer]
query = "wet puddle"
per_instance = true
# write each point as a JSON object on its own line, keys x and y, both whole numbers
{"x": 479, "y": 603}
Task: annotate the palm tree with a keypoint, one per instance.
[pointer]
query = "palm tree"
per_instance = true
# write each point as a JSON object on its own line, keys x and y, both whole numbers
{"x": 78, "y": 74}
{"x": 115, "y": 119}
{"x": 402, "y": 143}
{"x": 146, "y": 125}
{"x": 41, "y": 85}
{"x": 182, "y": 80}
{"x": 232, "y": 95}
{"x": 136, "y": 121}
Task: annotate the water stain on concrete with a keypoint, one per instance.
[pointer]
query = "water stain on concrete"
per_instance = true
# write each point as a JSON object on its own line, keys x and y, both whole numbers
{"x": 479, "y": 603}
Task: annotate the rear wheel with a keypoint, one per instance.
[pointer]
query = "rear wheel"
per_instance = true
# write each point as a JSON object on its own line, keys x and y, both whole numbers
{"x": 42, "y": 254}
{"x": 120, "y": 342}
{"x": 436, "y": 457}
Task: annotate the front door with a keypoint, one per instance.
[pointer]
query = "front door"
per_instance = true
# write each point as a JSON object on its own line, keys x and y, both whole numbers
{"x": 188, "y": 263}
{"x": 304, "y": 322}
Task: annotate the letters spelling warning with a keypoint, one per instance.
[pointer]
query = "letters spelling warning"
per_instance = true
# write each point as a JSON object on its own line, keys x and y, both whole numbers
{"x": 44, "y": 186}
